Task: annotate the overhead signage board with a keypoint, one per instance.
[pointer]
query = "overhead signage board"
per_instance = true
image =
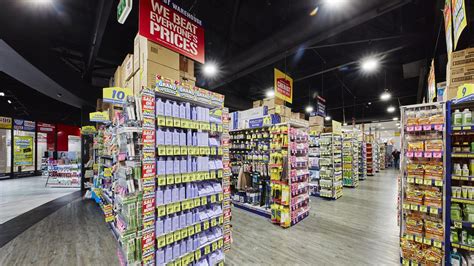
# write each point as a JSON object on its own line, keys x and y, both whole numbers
{"x": 336, "y": 127}
{"x": 24, "y": 125}
{"x": 283, "y": 86}
{"x": 123, "y": 10}
{"x": 459, "y": 19}
{"x": 164, "y": 22}
{"x": 100, "y": 117}
{"x": 5, "y": 122}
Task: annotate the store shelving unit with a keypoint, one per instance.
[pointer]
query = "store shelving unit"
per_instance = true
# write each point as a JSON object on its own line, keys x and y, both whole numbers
{"x": 330, "y": 165}
{"x": 362, "y": 160}
{"x": 250, "y": 155}
{"x": 460, "y": 180}
{"x": 350, "y": 160}
{"x": 382, "y": 156}
{"x": 289, "y": 174}
{"x": 376, "y": 156}
{"x": 313, "y": 158}
{"x": 422, "y": 194}
{"x": 370, "y": 158}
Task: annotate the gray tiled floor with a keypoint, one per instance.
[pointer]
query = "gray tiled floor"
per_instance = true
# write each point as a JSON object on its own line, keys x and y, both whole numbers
{"x": 20, "y": 195}
{"x": 358, "y": 229}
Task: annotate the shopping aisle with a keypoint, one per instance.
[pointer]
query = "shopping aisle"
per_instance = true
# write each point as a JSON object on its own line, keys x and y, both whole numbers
{"x": 20, "y": 195}
{"x": 360, "y": 228}
{"x": 74, "y": 235}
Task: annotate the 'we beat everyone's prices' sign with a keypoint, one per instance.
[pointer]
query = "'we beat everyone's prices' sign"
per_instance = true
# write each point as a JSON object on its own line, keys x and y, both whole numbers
{"x": 164, "y": 22}
{"x": 283, "y": 86}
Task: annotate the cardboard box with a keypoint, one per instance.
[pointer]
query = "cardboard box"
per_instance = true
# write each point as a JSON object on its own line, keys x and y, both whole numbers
{"x": 150, "y": 51}
{"x": 451, "y": 93}
{"x": 129, "y": 84}
{"x": 316, "y": 129}
{"x": 257, "y": 103}
{"x": 253, "y": 113}
{"x": 272, "y": 102}
{"x": 316, "y": 121}
{"x": 118, "y": 77}
{"x": 151, "y": 70}
{"x": 462, "y": 54}
{"x": 136, "y": 84}
{"x": 297, "y": 115}
{"x": 186, "y": 65}
{"x": 456, "y": 82}
{"x": 184, "y": 77}
{"x": 127, "y": 68}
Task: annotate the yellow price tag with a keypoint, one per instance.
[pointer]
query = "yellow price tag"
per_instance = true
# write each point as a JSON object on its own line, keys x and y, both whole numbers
{"x": 184, "y": 123}
{"x": 214, "y": 222}
{"x": 438, "y": 183}
{"x": 161, "y": 210}
{"x": 221, "y": 219}
{"x": 220, "y": 151}
{"x": 213, "y": 127}
{"x": 207, "y": 249}
{"x": 161, "y": 180}
{"x": 427, "y": 182}
{"x": 161, "y": 121}
{"x": 437, "y": 243}
{"x": 213, "y": 198}
{"x": 197, "y": 228}
{"x": 161, "y": 241}
{"x": 219, "y": 128}
{"x": 177, "y": 207}
{"x": 197, "y": 202}
{"x": 212, "y": 174}
{"x": 423, "y": 208}
{"x": 414, "y": 207}
{"x": 176, "y": 122}
{"x": 169, "y": 239}
{"x": 185, "y": 205}
{"x": 405, "y": 262}
{"x": 205, "y": 225}
{"x": 434, "y": 210}
{"x": 406, "y": 206}
{"x": 419, "y": 239}
{"x": 184, "y": 233}
{"x": 197, "y": 254}
{"x": 190, "y": 230}
{"x": 419, "y": 181}
{"x": 161, "y": 150}
{"x": 184, "y": 150}
{"x": 169, "y": 209}
{"x": 221, "y": 196}
{"x": 116, "y": 95}
{"x": 213, "y": 151}
{"x": 176, "y": 150}
{"x": 457, "y": 224}
{"x": 185, "y": 178}
{"x": 203, "y": 200}
{"x": 410, "y": 180}
{"x": 427, "y": 241}
{"x": 169, "y": 121}
{"x": 177, "y": 236}
{"x": 170, "y": 179}
{"x": 177, "y": 179}
{"x": 221, "y": 243}
{"x": 219, "y": 174}
{"x": 214, "y": 246}
{"x": 169, "y": 150}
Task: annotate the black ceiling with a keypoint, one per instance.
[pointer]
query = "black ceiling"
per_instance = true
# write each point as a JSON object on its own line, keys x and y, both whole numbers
{"x": 241, "y": 36}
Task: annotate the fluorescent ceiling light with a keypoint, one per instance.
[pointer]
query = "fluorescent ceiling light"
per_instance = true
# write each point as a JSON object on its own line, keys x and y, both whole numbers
{"x": 210, "y": 69}
{"x": 10, "y": 102}
{"x": 391, "y": 109}
{"x": 335, "y": 4}
{"x": 385, "y": 96}
{"x": 2, "y": 94}
{"x": 309, "y": 109}
{"x": 270, "y": 93}
{"x": 369, "y": 65}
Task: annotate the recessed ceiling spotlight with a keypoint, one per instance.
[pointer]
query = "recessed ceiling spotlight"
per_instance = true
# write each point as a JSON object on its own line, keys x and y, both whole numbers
{"x": 327, "y": 118}
{"x": 10, "y": 102}
{"x": 369, "y": 103}
{"x": 2, "y": 94}
{"x": 395, "y": 119}
{"x": 335, "y": 4}
{"x": 385, "y": 96}
{"x": 210, "y": 69}
{"x": 369, "y": 64}
{"x": 391, "y": 109}
{"x": 309, "y": 109}
{"x": 59, "y": 95}
{"x": 398, "y": 124}
{"x": 270, "y": 93}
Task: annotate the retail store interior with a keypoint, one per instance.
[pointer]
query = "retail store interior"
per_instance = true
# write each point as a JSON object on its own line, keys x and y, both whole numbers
{"x": 165, "y": 132}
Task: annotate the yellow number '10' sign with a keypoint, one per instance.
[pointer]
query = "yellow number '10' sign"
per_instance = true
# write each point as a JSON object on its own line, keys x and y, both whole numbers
{"x": 116, "y": 95}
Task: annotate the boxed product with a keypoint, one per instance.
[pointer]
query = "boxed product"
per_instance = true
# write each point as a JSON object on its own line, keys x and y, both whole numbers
{"x": 441, "y": 92}
{"x": 253, "y": 113}
{"x": 118, "y": 77}
{"x": 462, "y": 57}
{"x": 150, "y": 70}
{"x": 316, "y": 129}
{"x": 451, "y": 92}
{"x": 127, "y": 68}
{"x": 129, "y": 84}
{"x": 272, "y": 102}
{"x": 145, "y": 50}
{"x": 316, "y": 121}
{"x": 186, "y": 67}
{"x": 257, "y": 103}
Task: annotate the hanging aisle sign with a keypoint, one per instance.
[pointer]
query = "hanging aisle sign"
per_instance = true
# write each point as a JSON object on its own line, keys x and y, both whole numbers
{"x": 448, "y": 25}
{"x": 116, "y": 95}
{"x": 431, "y": 83}
{"x": 164, "y": 22}
{"x": 459, "y": 19}
{"x": 99, "y": 117}
{"x": 24, "y": 125}
{"x": 283, "y": 86}
{"x": 5, "y": 122}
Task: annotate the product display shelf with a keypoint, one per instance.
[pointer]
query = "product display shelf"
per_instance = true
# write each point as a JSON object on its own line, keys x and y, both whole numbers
{"x": 330, "y": 165}
{"x": 193, "y": 175}
{"x": 362, "y": 161}
{"x": 460, "y": 181}
{"x": 63, "y": 175}
{"x": 382, "y": 156}
{"x": 350, "y": 159}
{"x": 376, "y": 155}
{"x": 250, "y": 155}
{"x": 313, "y": 158}
{"x": 369, "y": 158}
{"x": 423, "y": 214}
{"x": 289, "y": 174}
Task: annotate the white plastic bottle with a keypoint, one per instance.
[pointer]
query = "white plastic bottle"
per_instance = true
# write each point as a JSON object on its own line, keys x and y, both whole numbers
{"x": 466, "y": 117}
{"x": 457, "y": 118}
{"x": 457, "y": 169}
{"x": 465, "y": 170}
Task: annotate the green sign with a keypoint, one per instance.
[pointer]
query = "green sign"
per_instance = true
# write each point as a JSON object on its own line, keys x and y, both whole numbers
{"x": 123, "y": 10}
{"x": 23, "y": 150}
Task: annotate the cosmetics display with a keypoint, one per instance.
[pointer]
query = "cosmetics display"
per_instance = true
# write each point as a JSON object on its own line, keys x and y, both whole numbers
{"x": 313, "y": 159}
{"x": 330, "y": 165}
{"x": 289, "y": 174}
{"x": 362, "y": 160}
{"x": 250, "y": 155}
{"x": 350, "y": 160}
{"x": 369, "y": 158}
{"x": 422, "y": 199}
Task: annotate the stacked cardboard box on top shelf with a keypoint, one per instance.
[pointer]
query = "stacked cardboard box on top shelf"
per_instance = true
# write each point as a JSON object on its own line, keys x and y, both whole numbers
{"x": 149, "y": 59}
{"x": 316, "y": 124}
{"x": 461, "y": 71}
